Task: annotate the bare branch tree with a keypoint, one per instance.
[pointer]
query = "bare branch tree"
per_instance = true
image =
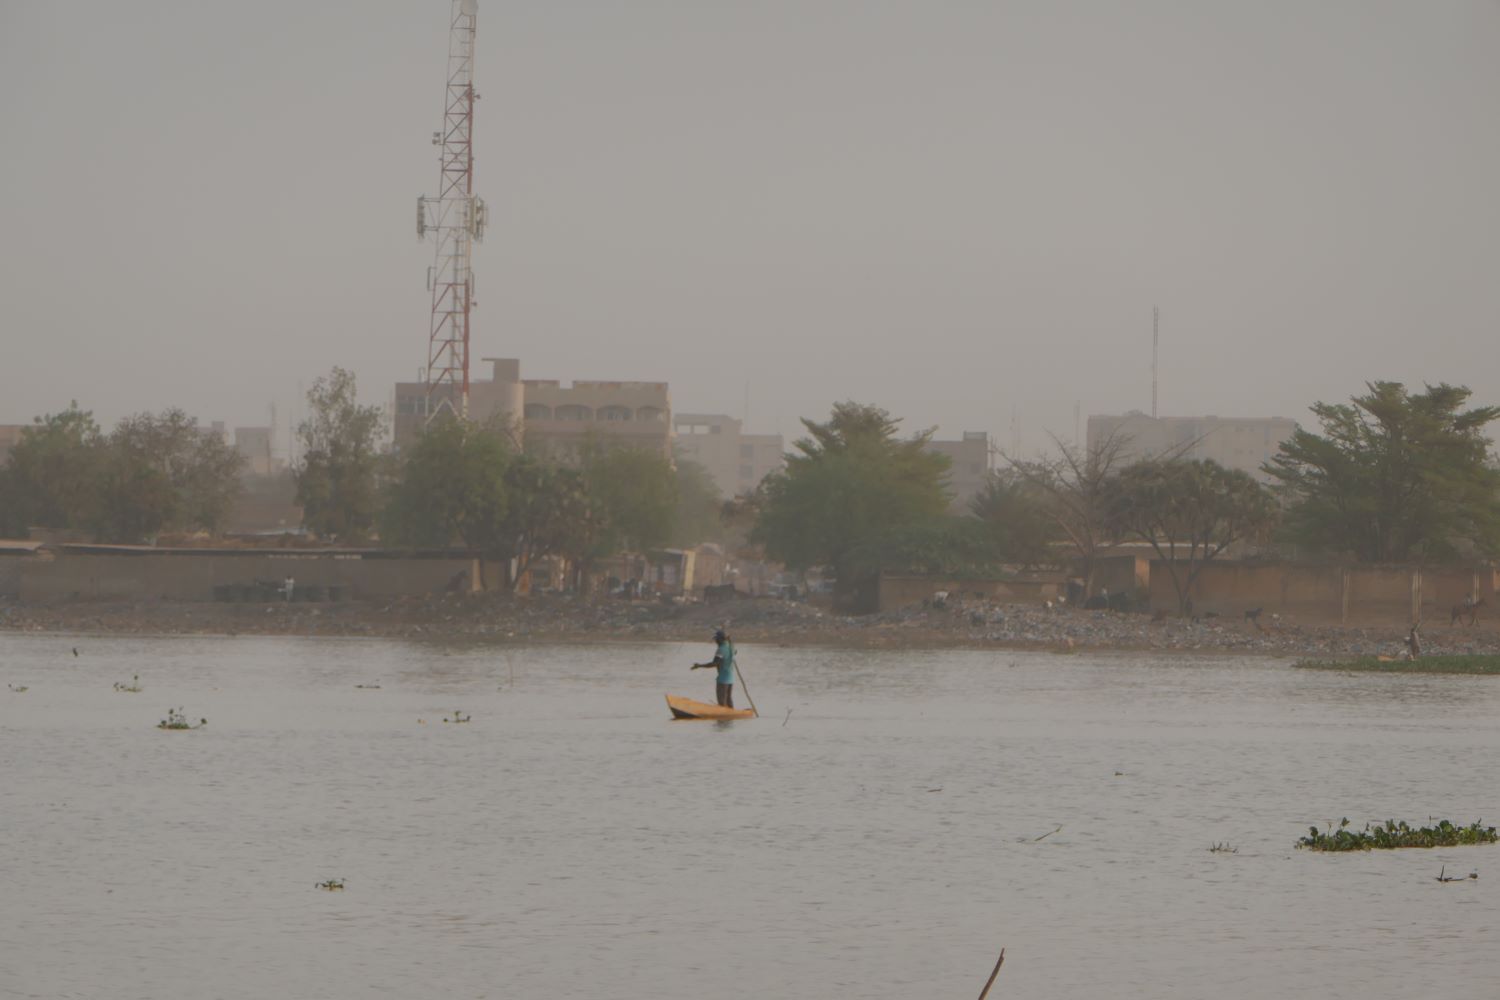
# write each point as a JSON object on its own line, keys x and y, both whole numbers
{"x": 1077, "y": 484}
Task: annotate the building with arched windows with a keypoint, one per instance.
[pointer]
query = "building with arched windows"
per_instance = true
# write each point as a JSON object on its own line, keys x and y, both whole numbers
{"x": 549, "y": 417}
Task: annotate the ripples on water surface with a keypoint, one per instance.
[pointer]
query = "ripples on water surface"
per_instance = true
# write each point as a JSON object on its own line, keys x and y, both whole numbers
{"x": 882, "y": 842}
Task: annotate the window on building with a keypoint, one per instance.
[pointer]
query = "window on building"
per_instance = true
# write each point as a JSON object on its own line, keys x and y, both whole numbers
{"x": 572, "y": 411}
{"x": 747, "y": 451}
{"x": 614, "y": 413}
{"x": 650, "y": 413}
{"x": 538, "y": 411}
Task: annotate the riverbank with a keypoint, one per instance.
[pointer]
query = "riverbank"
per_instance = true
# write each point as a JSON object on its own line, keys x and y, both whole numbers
{"x": 974, "y": 624}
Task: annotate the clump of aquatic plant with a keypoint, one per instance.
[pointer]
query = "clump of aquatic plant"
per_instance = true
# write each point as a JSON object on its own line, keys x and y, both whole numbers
{"x": 1225, "y": 848}
{"x": 1445, "y": 664}
{"x": 1393, "y": 834}
{"x": 332, "y": 885}
{"x": 21, "y": 689}
{"x": 134, "y": 687}
{"x": 458, "y": 717}
{"x": 177, "y": 720}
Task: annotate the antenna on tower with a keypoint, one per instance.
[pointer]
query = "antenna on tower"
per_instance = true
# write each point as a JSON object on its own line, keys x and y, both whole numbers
{"x": 1155, "y": 330}
{"x": 456, "y": 218}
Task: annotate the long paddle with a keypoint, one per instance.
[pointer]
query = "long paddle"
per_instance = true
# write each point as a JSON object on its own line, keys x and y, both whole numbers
{"x": 745, "y": 687}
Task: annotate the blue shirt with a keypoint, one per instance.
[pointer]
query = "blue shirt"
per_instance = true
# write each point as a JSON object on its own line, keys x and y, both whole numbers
{"x": 725, "y": 654}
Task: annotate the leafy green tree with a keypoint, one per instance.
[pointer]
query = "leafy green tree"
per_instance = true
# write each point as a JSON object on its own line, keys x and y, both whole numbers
{"x": 634, "y": 495}
{"x": 851, "y": 483}
{"x": 1394, "y": 476}
{"x": 135, "y": 500}
{"x": 1189, "y": 512}
{"x": 947, "y": 545}
{"x": 337, "y": 477}
{"x": 52, "y": 477}
{"x": 1017, "y": 524}
{"x": 451, "y": 489}
{"x": 201, "y": 471}
{"x": 548, "y": 514}
{"x": 699, "y": 506}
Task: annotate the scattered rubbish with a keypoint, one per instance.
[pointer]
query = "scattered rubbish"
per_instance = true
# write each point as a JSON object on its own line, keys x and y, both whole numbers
{"x": 458, "y": 717}
{"x": 18, "y": 690}
{"x": 1225, "y": 848}
{"x": 1046, "y": 835}
{"x": 368, "y": 687}
{"x": 1443, "y": 876}
{"x": 332, "y": 885}
{"x": 134, "y": 687}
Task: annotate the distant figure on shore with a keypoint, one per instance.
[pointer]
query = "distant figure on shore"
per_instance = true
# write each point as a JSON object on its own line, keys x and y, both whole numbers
{"x": 724, "y": 660}
{"x": 286, "y": 588}
{"x": 1413, "y": 643}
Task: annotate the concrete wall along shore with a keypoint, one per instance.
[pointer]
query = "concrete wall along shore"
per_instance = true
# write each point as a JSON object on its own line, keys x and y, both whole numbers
{"x": 131, "y": 574}
{"x": 1335, "y": 593}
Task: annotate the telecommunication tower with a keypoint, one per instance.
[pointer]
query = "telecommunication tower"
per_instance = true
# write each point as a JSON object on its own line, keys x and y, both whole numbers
{"x": 456, "y": 218}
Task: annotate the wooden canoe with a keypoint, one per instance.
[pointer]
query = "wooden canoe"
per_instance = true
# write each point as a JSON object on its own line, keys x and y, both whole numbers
{"x": 687, "y": 708}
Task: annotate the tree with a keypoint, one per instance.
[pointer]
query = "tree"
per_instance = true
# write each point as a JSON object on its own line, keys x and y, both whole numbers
{"x": 452, "y": 488}
{"x": 548, "y": 513}
{"x": 201, "y": 472}
{"x": 1018, "y": 525}
{"x": 337, "y": 477}
{"x": 948, "y": 545}
{"x": 634, "y": 494}
{"x": 1077, "y": 485}
{"x": 851, "y": 483}
{"x": 699, "y": 505}
{"x": 135, "y": 500}
{"x": 1189, "y": 512}
{"x": 1394, "y": 476}
{"x": 52, "y": 477}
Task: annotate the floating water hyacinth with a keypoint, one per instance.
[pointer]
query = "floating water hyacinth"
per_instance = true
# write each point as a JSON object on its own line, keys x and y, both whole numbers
{"x": 1393, "y": 834}
{"x": 177, "y": 720}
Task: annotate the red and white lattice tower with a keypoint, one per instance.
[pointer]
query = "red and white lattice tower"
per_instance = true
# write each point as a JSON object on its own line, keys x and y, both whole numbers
{"x": 456, "y": 217}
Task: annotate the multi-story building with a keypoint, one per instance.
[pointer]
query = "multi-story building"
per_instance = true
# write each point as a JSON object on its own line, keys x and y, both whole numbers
{"x": 736, "y": 461}
{"x": 498, "y": 397}
{"x": 254, "y": 443}
{"x": 1244, "y": 443}
{"x": 547, "y": 416}
{"x": 969, "y": 465}
{"x": 559, "y": 418}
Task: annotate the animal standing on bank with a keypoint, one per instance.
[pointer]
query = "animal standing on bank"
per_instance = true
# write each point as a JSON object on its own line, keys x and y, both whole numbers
{"x": 1467, "y": 607}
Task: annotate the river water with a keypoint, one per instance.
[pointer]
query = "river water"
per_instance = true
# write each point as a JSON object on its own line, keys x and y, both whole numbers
{"x": 882, "y": 831}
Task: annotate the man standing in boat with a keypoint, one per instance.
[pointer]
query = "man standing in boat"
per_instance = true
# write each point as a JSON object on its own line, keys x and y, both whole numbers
{"x": 724, "y": 660}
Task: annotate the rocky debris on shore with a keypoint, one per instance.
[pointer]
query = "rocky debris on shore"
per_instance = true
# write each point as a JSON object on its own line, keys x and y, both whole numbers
{"x": 953, "y": 623}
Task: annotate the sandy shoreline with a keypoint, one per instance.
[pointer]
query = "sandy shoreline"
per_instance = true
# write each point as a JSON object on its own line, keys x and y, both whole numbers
{"x": 971, "y": 625}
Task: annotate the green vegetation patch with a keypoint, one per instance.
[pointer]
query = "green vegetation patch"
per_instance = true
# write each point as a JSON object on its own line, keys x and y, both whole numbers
{"x": 1488, "y": 663}
{"x": 1393, "y": 834}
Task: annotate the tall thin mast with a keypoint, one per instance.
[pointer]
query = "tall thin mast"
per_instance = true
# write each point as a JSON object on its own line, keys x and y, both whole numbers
{"x": 456, "y": 217}
{"x": 1155, "y": 329}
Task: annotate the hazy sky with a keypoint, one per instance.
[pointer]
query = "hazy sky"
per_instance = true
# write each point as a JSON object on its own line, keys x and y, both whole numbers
{"x": 960, "y": 211}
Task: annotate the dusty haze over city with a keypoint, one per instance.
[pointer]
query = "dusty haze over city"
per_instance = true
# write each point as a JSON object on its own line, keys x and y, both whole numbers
{"x": 963, "y": 212}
